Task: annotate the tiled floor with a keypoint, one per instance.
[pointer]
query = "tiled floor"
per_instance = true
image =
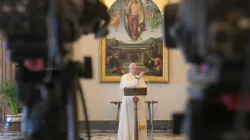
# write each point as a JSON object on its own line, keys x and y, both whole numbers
{"x": 100, "y": 136}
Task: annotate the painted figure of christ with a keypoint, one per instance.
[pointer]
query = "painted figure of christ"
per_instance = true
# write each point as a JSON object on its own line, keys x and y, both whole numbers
{"x": 135, "y": 19}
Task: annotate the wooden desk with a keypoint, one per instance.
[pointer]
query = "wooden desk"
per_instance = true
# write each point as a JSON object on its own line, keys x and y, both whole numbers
{"x": 4, "y": 110}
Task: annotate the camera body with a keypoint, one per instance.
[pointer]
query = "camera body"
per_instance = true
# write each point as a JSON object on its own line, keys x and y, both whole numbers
{"x": 213, "y": 36}
{"x": 32, "y": 27}
{"x": 24, "y": 26}
{"x": 213, "y": 27}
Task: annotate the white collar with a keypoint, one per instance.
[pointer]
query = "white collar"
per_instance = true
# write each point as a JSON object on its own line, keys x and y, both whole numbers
{"x": 132, "y": 76}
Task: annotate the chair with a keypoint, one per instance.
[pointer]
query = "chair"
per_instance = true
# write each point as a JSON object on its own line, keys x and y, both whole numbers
{"x": 4, "y": 110}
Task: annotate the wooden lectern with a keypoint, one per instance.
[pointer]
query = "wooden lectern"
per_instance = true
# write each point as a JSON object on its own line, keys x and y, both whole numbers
{"x": 135, "y": 92}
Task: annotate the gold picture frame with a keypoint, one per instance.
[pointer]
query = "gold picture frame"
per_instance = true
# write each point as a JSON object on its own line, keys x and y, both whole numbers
{"x": 143, "y": 53}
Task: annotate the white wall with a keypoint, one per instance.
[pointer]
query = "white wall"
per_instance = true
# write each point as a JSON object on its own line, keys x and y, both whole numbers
{"x": 171, "y": 96}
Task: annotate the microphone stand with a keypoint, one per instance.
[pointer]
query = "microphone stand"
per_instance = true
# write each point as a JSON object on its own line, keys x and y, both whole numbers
{"x": 152, "y": 123}
{"x": 136, "y": 132}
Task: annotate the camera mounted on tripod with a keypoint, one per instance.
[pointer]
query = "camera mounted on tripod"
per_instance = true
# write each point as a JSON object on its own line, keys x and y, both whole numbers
{"x": 38, "y": 34}
{"x": 214, "y": 37}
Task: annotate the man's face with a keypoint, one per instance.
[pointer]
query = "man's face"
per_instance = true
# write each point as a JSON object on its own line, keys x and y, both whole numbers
{"x": 133, "y": 69}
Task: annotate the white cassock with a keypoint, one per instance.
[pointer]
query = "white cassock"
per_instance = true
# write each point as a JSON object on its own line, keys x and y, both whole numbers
{"x": 126, "y": 120}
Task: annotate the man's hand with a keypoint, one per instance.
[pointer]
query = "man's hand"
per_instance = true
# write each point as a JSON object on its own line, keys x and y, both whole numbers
{"x": 141, "y": 74}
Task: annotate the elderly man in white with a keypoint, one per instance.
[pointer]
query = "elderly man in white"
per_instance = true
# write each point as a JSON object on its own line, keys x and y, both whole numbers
{"x": 126, "y": 121}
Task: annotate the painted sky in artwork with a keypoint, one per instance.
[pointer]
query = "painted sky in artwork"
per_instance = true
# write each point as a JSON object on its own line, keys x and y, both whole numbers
{"x": 121, "y": 34}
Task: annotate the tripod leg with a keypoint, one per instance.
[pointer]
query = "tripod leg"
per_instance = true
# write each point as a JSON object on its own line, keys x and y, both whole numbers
{"x": 84, "y": 109}
{"x": 72, "y": 113}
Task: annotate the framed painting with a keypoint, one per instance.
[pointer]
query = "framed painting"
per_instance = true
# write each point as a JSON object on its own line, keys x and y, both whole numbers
{"x": 135, "y": 36}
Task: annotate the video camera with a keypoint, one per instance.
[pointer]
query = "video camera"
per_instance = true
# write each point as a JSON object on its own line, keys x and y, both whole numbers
{"x": 214, "y": 38}
{"x": 39, "y": 34}
{"x": 29, "y": 24}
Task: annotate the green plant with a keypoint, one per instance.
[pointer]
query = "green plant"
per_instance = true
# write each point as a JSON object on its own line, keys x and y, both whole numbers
{"x": 9, "y": 90}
